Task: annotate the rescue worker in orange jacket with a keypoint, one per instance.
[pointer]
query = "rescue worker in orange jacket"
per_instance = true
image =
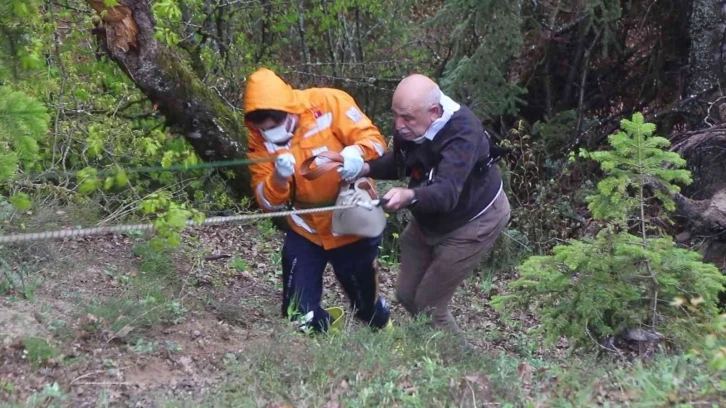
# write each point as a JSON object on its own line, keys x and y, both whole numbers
{"x": 292, "y": 125}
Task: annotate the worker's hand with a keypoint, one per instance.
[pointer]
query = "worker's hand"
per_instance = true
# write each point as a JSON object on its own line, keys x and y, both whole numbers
{"x": 285, "y": 165}
{"x": 397, "y": 198}
{"x": 352, "y": 163}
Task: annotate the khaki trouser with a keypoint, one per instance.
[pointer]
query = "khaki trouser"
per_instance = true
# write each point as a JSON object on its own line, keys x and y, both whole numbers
{"x": 433, "y": 266}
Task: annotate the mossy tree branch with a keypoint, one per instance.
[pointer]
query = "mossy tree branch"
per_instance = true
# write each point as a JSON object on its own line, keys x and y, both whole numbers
{"x": 213, "y": 128}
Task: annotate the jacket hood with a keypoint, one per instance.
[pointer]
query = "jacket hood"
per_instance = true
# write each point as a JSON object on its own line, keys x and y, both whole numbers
{"x": 266, "y": 90}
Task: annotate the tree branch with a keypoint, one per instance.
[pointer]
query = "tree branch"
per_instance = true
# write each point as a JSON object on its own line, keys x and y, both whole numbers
{"x": 190, "y": 107}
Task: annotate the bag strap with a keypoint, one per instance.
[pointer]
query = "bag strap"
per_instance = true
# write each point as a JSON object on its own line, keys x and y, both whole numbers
{"x": 365, "y": 185}
{"x": 336, "y": 160}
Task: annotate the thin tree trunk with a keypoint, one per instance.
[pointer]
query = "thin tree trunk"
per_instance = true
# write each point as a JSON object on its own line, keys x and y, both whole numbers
{"x": 303, "y": 42}
{"x": 331, "y": 46}
{"x": 705, "y": 53}
{"x": 265, "y": 40}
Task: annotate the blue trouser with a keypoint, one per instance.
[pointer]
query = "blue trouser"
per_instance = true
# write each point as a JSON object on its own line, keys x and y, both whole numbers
{"x": 303, "y": 264}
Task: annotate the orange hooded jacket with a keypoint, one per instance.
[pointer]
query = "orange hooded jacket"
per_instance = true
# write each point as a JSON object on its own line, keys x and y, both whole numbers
{"x": 329, "y": 121}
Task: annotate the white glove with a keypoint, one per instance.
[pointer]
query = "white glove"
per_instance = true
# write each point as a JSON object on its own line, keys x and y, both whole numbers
{"x": 352, "y": 163}
{"x": 285, "y": 165}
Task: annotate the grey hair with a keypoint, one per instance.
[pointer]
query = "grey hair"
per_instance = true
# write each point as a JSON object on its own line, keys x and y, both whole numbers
{"x": 433, "y": 97}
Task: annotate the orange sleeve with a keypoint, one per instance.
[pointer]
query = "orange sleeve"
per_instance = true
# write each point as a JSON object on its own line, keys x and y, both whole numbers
{"x": 268, "y": 194}
{"x": 352, "y": 127}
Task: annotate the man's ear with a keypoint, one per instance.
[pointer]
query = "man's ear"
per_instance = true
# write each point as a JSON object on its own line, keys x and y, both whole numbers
{"x": 436, "y": 111}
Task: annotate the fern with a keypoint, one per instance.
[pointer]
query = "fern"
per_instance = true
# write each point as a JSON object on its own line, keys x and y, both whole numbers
{"x": 593, "y": 287}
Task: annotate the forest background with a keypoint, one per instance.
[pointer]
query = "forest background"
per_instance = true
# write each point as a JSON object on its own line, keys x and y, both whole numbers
{"x": 615, "y": 117}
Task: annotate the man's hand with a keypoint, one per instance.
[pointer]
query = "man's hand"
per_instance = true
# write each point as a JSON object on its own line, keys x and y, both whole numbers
{"x": 365, "y": 170}
{"x": 352, "y": 163}
{"x": 398, "y": 198}
{"x": 285, "y": 165}
{"x": 284, "y": 168}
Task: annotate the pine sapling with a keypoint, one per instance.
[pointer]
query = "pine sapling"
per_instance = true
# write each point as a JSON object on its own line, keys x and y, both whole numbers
{"x": 594, "y": 287}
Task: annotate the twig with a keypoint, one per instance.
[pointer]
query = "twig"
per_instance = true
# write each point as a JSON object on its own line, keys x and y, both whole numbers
{"x": 355, "y": 81}
{"x": 708, "y": 114}
{"x": 105, "y": 383}
{"x": 515, "y": 240}
{"x": 217, "y": 257}
{"x": 93, "y": 373}
{"x": 617, "y": 350}
{"x": 473, "y": 393}
{"x": 234, "y": 108}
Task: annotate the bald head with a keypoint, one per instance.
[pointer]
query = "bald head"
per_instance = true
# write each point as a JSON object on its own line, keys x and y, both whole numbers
{"x": 415, "y": 105}
{"x": 416, "y": 90}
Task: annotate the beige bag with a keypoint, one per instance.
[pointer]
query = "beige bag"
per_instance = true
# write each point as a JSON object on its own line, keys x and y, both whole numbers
{"x": 363, "y": 221}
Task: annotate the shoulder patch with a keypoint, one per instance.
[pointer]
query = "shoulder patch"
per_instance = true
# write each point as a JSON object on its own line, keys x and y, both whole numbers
{"x": 354, "y": 114}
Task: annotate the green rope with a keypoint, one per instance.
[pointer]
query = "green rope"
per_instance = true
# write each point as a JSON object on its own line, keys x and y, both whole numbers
{"x": 154, "y": 169}
{"x": 204, "y": 165}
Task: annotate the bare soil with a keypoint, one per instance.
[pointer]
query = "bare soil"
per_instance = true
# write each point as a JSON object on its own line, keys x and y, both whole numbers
{"x": 229, "y": 312}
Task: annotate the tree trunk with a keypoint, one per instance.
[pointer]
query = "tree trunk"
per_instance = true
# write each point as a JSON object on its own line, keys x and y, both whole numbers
{"x": 704, "y": 151}
{"x": 705, "y": 31}
{"x": 704, "y": 212}
{"x": 193, "y": 110}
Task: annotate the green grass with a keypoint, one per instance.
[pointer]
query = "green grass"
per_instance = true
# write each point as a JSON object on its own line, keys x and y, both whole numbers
{"x": 148, "y": 298}
{"x": 39, "y": 351}
{"x": 155, "y": 263}
{"x": 115, "y": 314}
{"x": 414, "y": 366}
{"x": 20, "y": 281}
{"x": 239, "y": 264}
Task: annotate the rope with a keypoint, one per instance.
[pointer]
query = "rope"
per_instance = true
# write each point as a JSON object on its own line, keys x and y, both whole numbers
{"x": 47, "y": 235}
{"x": 152, "y": 169}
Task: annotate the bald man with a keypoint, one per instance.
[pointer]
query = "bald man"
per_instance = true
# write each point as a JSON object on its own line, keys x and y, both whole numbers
{"x": 454, "y": 193}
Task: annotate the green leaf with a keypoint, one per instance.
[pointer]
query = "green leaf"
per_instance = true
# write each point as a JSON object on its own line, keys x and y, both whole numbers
{"x": 95, "y": 145}
{"x": 21, "y": 201}
{"x": 149, "y": 146}
{"x": 199, "y": 217}
{"x": 108, "y": 183}
{"x": 168, "y": 158}
{"x": 88, "y": 185}
{"x": 121, "y": 179}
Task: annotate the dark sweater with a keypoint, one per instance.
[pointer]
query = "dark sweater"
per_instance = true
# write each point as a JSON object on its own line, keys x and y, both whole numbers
{"x": 456, "y": 161}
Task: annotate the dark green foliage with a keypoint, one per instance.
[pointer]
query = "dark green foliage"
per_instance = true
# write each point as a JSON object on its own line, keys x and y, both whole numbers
{"x": 23, "y": 122}
{"x": 485, "y": 40}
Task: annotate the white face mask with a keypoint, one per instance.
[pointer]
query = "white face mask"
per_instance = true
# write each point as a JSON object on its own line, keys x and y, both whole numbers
{"x": 449, "y": 108}
{"x": 422, "y": 138}
{"x": 282, "y": 133}
{"x": 419, "y": 139}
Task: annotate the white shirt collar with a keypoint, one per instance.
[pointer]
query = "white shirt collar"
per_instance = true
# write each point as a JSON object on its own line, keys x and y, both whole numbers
{"x": 450, "y": 107}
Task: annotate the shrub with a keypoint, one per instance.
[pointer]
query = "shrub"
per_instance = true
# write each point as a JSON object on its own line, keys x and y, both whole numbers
{"x": 628, "y": 275}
